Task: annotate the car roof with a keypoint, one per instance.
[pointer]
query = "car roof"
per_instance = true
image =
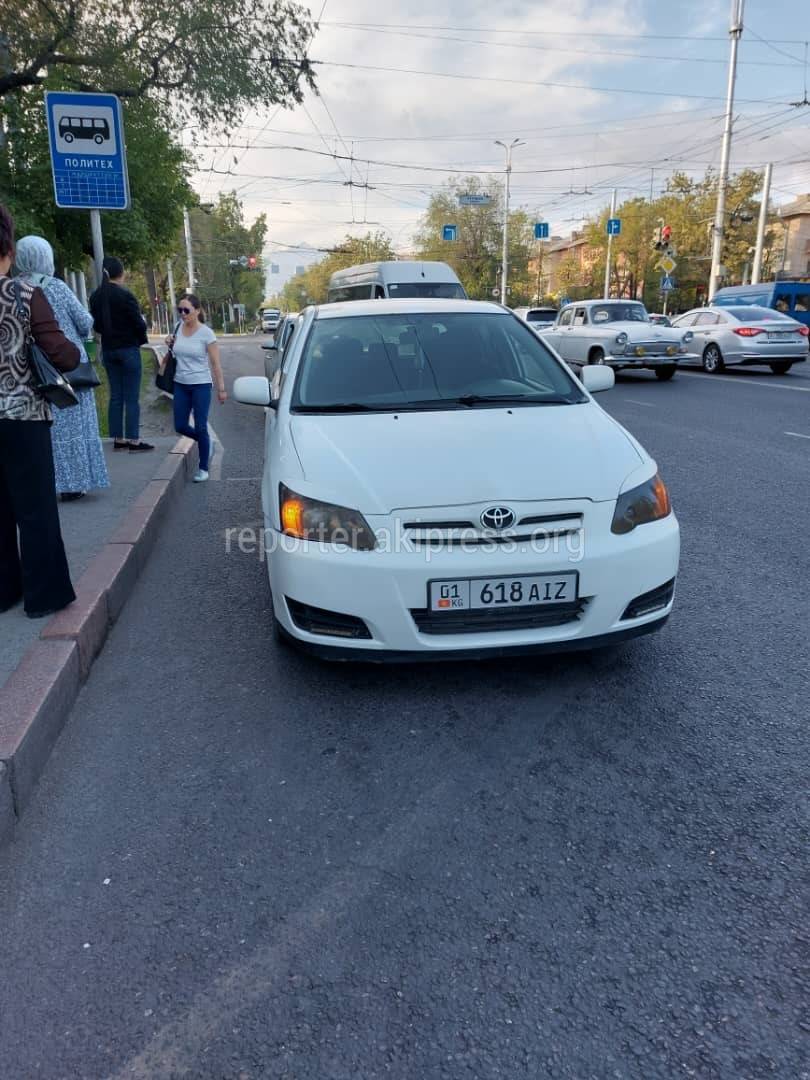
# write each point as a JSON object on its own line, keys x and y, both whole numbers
{"x": 613, "y": 300}
{"x": 414, "y": 306}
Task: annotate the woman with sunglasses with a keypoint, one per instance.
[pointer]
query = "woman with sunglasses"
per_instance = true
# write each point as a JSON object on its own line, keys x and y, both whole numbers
{"x": 198, "y": 367}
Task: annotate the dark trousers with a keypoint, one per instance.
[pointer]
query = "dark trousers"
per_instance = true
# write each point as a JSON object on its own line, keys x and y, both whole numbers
{"x": 123, "y": 367}
{"x": 37, "y": 569}
{"x": 194, "y": 398}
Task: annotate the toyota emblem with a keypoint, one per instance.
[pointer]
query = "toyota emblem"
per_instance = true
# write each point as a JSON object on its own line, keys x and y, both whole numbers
{"x": 498, "y": 518}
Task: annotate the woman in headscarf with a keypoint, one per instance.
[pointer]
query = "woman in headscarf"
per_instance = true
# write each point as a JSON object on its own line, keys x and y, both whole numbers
{"x": 36, "y": 569}
{"x": 78, "y": 455}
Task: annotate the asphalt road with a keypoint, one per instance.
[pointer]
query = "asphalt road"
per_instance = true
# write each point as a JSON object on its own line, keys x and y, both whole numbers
{"x": 242, "y": 863}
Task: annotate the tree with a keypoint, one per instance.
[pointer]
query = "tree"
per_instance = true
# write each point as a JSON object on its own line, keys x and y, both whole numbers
{"x": 311, "y": 286}
{"x": 220, "y": 235}
{"x": 204, "y": 58}
{"x": 476, "y": 253}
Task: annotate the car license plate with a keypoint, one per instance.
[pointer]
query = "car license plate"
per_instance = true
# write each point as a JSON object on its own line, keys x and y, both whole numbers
{"x": 781, "y": 336}
{"x": 465, "y": 594}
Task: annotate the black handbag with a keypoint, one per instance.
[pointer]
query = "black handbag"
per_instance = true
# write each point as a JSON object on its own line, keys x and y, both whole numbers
{"x": 84, "y": 377}
{"x": 47, "y": 381}
{"x": 164, "y": 380}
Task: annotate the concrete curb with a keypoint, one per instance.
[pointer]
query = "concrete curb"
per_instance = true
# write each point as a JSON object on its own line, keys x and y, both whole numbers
{"x": 38, "y": 696}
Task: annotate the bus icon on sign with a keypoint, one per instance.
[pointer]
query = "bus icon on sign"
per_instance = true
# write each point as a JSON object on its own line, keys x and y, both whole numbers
{"x": 87, "y": 128}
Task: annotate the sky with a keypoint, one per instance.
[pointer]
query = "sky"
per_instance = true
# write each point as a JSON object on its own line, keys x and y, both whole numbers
{"x": 601, "y": 96}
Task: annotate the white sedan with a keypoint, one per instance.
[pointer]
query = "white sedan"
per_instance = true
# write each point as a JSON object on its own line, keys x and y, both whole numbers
{"x": 437, "y": 483}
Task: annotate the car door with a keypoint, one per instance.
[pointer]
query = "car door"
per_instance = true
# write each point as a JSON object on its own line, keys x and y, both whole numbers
{"x": 558, "y": 335}
{"x": 705, "y": 330}
{"x": 580, "y": 338}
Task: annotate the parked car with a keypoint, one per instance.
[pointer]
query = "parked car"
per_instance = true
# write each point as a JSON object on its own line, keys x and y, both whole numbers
{"x": 618, "y": 333}
{"x": 537, "y": 317}
{"x": 431, "y": 471}
{"x": 275, "y": 349}
{"x": 745, "y": 335}
{"x": 788, "y": 297}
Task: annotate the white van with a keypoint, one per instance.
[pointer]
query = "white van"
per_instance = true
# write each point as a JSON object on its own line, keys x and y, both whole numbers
{"x": 395, "y": 280}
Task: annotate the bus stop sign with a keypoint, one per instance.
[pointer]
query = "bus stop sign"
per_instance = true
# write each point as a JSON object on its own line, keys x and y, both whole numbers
{"x": 88, "y": 155}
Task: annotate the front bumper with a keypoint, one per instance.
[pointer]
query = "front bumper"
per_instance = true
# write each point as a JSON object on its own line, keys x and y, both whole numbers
{"x": 384, "y": 589}
{"x": 620, "y": 360}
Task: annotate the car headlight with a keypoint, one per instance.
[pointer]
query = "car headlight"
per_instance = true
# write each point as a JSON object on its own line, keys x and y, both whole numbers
{"x": 647, "y": 502}
{"x": 687, "y": 337}
{"x": 621, "y": 339}
{"x": 310, "y": 519}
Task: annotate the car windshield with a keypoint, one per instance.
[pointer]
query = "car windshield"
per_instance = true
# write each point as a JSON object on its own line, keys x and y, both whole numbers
{"x": 610, "y": 313}
{"x": 752, "y": 313}
{"x": 438, "y": 290}
{"x": 428, "y": 361}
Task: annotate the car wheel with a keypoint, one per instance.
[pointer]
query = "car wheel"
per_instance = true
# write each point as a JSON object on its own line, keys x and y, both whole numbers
{"x": 713, "y": 360}
{"x": 596, "y": 356}
{"x": 780, "y": 368}
{"x": 665, "y": 373}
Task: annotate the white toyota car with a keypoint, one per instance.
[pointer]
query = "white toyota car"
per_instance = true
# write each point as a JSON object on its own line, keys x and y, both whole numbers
{"x": 437, "y": 483}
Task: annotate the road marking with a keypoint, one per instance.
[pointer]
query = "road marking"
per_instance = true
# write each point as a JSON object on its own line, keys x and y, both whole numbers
{"x": 646, "y": 404}
{"x": 215, "y": 465}
{"x": 797, "y": 435}
{"x": 745, "y": 382}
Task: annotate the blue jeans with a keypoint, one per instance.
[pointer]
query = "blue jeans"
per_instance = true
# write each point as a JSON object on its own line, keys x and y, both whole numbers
{"x": 123, "y": 367}
{"x": 194, "y": 398}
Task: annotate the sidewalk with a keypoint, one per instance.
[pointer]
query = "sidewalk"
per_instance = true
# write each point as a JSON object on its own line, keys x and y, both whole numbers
{"x": 43, "y": 663}
{"x": 87, "y": 525}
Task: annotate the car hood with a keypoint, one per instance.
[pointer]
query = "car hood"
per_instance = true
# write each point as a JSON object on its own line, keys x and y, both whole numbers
{"x": 637, "y": 331}
{"x": 381, "y": 462}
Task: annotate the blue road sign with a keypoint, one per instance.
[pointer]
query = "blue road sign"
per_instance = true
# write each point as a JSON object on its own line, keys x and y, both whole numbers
{"x": 614, "y": 226}
{"x": 667, "y": 283}
{"x": 88, "y": 154}
{"x": 449, "y": 232}
{"x": 541, "y": 230}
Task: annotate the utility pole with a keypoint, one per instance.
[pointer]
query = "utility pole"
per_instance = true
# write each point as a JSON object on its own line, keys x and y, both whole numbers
{"x": 189, "y": 251}
{"x": 610, "y": 246}
{"x": 505, "y": 256}
{"x": 763, "y": 221}
{"x": 172, "y": 297}
{"x": 735, "y": 33}
{"x": 98, "y": 246}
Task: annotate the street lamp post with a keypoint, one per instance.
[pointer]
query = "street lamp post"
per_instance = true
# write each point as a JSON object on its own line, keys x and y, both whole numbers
{"x": 508, "y": 147}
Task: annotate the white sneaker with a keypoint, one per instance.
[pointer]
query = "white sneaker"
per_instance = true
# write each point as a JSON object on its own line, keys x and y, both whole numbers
{"x": 200, "y": 476}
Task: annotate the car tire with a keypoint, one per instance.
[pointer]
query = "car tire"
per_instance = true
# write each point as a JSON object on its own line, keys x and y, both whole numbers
{"x": 712, "y": 361}
{"x": 666, "y": 372}
{"x": 781, "y": 367}
{"x": 596, "y": 356}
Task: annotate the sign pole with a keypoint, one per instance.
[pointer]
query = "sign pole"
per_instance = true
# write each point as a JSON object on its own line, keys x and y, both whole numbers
{"x": 98, "y": 245}
{"x": 172, "y": 297}
{"x": 189, "y": 250}
{"x": 610, "y": 245}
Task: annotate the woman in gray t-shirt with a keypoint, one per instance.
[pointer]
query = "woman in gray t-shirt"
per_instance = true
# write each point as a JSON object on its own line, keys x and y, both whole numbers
{"x": 198, "y": 366}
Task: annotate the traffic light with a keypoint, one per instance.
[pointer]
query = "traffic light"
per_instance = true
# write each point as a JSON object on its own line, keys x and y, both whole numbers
{"x": 666, "y": 234}
{"x": 251, "y": 262}
{"x": 657, "y": 242}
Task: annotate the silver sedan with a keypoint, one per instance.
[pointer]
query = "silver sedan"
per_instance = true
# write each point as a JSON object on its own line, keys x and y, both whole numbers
{"x": 744, "y": 334}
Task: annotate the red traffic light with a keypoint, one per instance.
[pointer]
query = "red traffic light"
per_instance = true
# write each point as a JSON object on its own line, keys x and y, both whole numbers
{"x": 666, "y": 233}
{"x": 252, "y": 262}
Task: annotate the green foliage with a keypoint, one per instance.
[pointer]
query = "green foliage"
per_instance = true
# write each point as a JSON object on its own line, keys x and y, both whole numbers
{"x": 311, "y": 286}
{"x": 158, "y": 170}
{"x": 688, "y": 206}
{"x": 219, "y": 235}
{"x": 204, "y": 59}
{"x": 476, "y": 254}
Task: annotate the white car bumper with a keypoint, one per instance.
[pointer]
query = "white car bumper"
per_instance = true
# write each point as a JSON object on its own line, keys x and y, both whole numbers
{"x": 388, "y": 591}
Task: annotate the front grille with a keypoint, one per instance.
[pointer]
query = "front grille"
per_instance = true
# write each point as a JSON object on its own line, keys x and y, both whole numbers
{"x": 538, "y": 616}
{"x": 452, "y": 533}
{"x": 329, "y": 623}
{"x": 647, "y": 602}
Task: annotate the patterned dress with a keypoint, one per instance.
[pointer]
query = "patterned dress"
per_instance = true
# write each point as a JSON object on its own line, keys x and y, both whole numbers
{"x": 78, "y": 455}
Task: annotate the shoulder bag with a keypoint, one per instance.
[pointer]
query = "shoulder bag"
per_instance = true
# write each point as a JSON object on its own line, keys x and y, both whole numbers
{"x": 48, "y": 382}
{"x": 164, "y": 380}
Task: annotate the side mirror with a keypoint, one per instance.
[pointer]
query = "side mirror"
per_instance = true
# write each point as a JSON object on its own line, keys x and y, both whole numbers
{"x": 594, "y": 377}
{"x": 252, "y": 390}
{"x": 270, "y": 346}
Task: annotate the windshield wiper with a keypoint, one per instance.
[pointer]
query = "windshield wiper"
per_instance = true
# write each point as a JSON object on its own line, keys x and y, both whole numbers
{"x": 509, "y": 399}
{"x": 347, "y": 407}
